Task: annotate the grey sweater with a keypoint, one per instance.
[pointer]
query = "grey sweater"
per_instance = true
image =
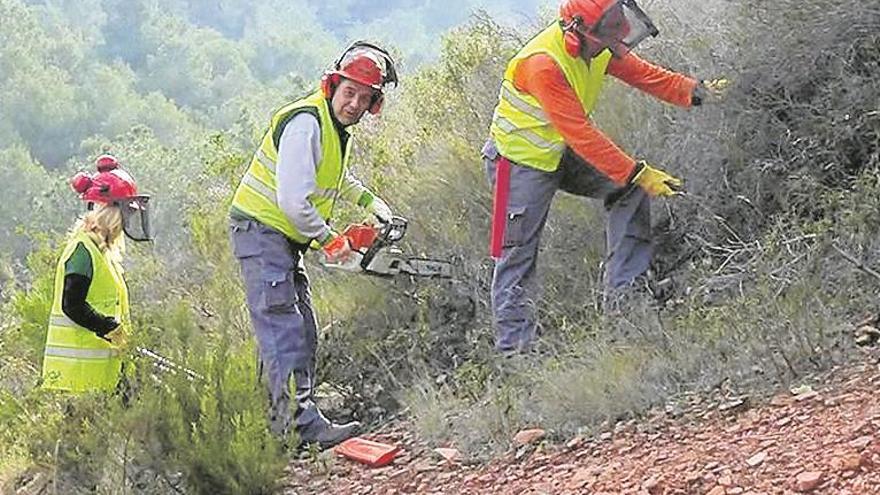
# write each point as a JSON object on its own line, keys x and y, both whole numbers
{"x": 299, "y": 152}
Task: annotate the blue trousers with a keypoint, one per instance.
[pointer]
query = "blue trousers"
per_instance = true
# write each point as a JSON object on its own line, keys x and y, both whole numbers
{"x": 280, "y": 305}
{"x": 515, "y": 284}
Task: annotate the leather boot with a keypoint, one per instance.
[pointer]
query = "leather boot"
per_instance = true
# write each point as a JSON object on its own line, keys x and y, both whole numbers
{"x": 311, "y": 425}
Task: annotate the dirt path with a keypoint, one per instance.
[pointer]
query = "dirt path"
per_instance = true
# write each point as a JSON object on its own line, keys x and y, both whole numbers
{"x": 825, "y": 440}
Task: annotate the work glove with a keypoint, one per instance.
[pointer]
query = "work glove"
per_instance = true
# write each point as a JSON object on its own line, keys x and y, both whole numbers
{"x": 108, "y": 325}
{"x": 118, "y": 338}
{"x": 655, "y": 181}
{"x": 381, "y": 210}
{"x": 710, "y": 91}
{"x": 339, "y": 254}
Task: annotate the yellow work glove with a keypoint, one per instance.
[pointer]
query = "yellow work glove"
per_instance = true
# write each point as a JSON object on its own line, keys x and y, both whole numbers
{"x": 655, "y": 181}
{"x": 710, "y": 91}
{"x": 117, "y": 338}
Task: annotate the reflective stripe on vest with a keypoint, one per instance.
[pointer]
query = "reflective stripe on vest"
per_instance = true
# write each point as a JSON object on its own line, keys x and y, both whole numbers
{"x": 527, "y": 134}
{"x": 269, "y": 195}
{"x": 61, "y": 321}
{"x": 265, "y": 190}
{"x": 267, "y": 162}
{"x": 522, "y": 105}
{"x": 75, "y": 353}
{"x": 520, "y": 127}
{"x": 256, "y": 194}
{"x": 75, "y": 359}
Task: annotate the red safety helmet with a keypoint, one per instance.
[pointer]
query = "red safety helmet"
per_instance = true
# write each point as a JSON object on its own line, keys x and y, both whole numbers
{"x": 112, "y": 185}
{"x": 591, "y": 26}
{"x": 364, "y": 63}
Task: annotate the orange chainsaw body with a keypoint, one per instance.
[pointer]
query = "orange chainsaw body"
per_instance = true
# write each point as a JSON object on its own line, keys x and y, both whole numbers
{"x": 360, "y": 236}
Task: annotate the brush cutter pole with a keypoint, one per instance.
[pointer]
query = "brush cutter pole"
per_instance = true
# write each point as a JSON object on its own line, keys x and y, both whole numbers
{"x": 168, "y": 365}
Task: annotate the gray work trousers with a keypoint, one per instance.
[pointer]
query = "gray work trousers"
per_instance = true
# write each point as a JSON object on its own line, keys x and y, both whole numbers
{"x": 280, "y": 305}
{"x": 515, "y": 285}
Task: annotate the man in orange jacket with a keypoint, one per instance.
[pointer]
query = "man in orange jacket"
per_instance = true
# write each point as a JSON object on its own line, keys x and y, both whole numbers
{"x": 542, "y": 139}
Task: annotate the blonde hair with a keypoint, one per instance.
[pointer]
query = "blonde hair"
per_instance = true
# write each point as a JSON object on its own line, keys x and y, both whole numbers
{"x": 103, "y": 225}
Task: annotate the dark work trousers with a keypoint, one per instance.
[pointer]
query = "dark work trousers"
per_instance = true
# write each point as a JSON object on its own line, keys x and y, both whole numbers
{"x": 515, "y": 284}
{"x": 280, "y": 305}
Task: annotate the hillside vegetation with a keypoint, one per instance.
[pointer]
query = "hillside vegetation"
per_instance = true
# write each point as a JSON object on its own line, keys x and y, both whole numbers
{"x": 780, "y": 180}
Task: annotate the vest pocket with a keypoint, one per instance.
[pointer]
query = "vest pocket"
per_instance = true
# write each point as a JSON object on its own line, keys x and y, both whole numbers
{"x": 514, "y": 230}
{"x": 278, "y": 294}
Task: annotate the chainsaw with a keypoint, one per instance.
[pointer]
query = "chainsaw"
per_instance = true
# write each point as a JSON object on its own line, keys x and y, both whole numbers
{"x": 378, "y": 253}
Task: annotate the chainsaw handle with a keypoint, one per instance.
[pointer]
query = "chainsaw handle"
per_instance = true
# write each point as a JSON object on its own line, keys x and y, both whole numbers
{"x": 389, "y": 233}
{"x": 393, "y": 230}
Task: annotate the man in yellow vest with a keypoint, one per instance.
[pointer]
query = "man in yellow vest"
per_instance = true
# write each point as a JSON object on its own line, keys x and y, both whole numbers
{"x": 542, "y": 140}
{"x": 282, "y": 206}
{"x": 90, "y": 311}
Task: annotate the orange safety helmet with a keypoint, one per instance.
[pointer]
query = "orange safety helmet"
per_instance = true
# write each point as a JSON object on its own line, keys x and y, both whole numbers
{"x": 364, "y": 63}
{"x": 112, "y": 185}
{"x": 590, "y": 26}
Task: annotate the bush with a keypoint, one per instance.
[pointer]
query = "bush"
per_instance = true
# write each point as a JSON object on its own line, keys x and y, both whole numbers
{"x": 779, "y": 181}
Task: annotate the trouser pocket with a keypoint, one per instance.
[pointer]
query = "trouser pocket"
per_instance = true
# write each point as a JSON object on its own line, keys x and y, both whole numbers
{"x": 278, "y": 292}
{"x": 514, "y": 230}
{"x": 245, "y": 241}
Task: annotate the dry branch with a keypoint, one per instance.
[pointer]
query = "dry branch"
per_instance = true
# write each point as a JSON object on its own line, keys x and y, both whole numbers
{"x": 855, "y": 261}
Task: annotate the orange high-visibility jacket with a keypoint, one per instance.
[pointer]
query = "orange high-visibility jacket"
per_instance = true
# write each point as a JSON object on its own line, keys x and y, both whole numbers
{"x": 540, "y": 77}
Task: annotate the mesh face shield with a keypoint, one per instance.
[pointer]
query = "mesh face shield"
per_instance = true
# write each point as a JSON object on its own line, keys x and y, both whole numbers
{"x": 136, "y": 218}
{"x": 623, "y": 26}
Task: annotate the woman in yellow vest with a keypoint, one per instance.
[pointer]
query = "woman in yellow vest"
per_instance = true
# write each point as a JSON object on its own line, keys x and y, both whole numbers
{"x": 542, "y": 140}
{"x": 90, "y": 309}
{"x": 283, "y": 205}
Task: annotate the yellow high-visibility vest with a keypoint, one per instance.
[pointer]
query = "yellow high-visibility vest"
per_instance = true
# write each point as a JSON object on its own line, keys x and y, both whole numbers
{"x": 75, "y": 359}
{"x": 256, "y": 193}
{"x": 520, "y": 128}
